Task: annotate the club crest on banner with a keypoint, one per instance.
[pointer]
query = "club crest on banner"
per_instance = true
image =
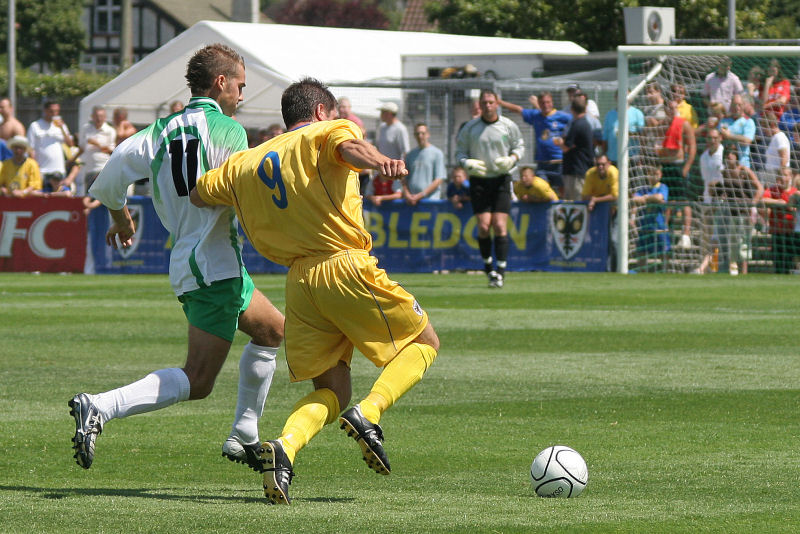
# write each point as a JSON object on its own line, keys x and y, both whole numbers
{"x": 138, "y": 220}
{"x": 568, "y": 227}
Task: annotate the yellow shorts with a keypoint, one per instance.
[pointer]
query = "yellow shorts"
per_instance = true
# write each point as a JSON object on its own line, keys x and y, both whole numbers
{"x": 337, "y": 302}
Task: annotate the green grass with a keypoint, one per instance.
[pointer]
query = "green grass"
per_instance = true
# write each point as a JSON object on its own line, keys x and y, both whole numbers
{"x": 682, "y": 393}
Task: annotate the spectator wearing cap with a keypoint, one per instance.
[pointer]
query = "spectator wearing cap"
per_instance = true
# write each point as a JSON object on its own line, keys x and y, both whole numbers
{"x": 392, "y": 139}
{"x": 577, "y": 145}
{"x": 592, "y": 110}
{"x": 593, "y": 118}
{"x": 19, "y": 175}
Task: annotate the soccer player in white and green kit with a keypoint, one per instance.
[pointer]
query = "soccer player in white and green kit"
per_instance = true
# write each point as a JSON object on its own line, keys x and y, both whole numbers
{"x": 206, "y": 270}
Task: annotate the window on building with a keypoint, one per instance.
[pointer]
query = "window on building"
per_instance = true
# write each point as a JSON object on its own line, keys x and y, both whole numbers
{"x": 107, "y": 16}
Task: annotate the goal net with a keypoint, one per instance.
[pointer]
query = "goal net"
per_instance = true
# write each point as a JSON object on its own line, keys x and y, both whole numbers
{"x": 708, "y": 163}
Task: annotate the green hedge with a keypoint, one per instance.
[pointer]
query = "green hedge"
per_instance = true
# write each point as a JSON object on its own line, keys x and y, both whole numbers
{"x": 61, "y": 85}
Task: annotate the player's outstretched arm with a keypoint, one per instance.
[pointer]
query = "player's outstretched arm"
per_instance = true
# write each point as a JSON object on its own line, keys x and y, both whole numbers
{"x": 122, "y": 227}
{"x": 363, "y": 155}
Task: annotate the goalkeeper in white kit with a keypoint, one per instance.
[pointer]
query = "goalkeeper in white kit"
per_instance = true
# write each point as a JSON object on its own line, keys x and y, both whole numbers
{"x": 205, "y": 270}
{"x": 488, "y": 148}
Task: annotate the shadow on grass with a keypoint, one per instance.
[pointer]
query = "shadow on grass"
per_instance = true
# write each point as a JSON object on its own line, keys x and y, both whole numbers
{"x": 161, "y": 494}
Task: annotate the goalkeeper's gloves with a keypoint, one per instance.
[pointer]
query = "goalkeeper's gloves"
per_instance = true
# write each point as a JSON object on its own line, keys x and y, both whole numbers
{"x": 475, "y": 167}
{"x": 505, "y": 163}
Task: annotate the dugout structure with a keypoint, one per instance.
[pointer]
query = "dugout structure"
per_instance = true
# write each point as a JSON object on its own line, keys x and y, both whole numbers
{"x": 726, "y": 228}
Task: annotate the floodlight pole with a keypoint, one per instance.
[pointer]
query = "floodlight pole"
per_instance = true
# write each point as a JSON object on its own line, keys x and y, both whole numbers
{"x": 12, "y": 52}
{"x": 732, "y": 22}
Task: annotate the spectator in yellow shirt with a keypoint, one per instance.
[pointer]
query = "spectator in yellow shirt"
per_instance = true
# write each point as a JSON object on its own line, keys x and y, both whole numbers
{"x": 685, "y": 109}
{"x": 601, "y": 183}
{"x": 20, "y": 176}
{"x": 531, "y": 188}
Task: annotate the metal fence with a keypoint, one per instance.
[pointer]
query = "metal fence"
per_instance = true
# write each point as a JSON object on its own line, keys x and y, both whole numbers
{"x": 445, "y": 104}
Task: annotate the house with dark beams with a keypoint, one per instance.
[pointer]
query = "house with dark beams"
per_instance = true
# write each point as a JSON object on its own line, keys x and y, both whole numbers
{"x": 153, "y": 23}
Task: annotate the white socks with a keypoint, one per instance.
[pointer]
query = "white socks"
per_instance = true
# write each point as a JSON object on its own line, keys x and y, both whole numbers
{"x": 165, "y": 387}
{"x": 256, "y": 368}
{"x": 157, "y": 390}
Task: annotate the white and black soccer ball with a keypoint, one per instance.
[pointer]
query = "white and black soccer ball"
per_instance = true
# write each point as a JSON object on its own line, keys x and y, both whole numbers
{"x": 559, "y": 471}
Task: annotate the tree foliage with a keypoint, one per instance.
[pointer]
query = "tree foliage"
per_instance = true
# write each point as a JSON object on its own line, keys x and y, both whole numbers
{"x": 333, "y": 13}
{"x": 599, "y": 24}
{"x": 49, "y": 32}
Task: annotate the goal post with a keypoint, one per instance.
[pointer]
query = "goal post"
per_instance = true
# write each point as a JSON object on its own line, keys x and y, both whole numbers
{"x": 664, "y": 67}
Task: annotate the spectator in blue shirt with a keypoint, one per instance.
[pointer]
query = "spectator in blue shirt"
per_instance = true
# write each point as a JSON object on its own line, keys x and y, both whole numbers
{"x": 740, "y": 128}
{"x": 548, "y": 123}
{"x": 647, "y": 215}
{"x": 611, "y": 129}
{"x": 5, "y": 152}
{"x": 458, "y": 188}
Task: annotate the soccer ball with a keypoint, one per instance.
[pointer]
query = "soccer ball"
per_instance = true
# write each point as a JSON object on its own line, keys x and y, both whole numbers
{"x": 559, "y": 471}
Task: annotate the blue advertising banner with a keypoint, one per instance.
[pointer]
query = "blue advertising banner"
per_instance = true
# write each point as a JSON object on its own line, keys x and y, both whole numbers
{"x": 149, "y": 253}
{"x": 432, "y": 236}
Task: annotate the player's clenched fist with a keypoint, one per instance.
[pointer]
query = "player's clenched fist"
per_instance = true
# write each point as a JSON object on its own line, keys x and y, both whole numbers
{"x": 393, "y": 168}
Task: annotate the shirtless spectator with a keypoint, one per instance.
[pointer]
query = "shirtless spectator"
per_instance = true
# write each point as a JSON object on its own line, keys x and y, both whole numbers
{"x": 677, "y": 153}
{"x": 346, "y": 112}
{"x": 10, "y": 126}
{"x": 122, "y": 125}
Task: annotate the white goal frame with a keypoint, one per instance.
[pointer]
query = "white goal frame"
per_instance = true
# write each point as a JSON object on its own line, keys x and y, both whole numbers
{"x": 624, "y": 54}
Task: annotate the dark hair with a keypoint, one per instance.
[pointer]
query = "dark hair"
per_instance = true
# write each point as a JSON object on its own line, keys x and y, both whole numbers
{"x": 578, "y": 107}
{"x": 208, "y": 63}
{"x": 487, "y": 92}
{"x": 48, "y": 103}
{"x": 300, "y": 99}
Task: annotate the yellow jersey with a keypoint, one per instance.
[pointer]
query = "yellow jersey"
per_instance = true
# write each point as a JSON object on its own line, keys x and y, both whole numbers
{"x": 594, "y": 186}
{"x": 23, "y": 176}
{"x": 686, "y": 111}
{"x": 538, "y": 190}
{"x": 294, "y": 195}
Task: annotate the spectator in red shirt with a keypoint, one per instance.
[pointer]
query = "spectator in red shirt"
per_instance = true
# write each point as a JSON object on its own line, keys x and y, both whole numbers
{"x": 381, "y": 189}
{"x": 776, "y": 91}
{"x": 782, "y": 199}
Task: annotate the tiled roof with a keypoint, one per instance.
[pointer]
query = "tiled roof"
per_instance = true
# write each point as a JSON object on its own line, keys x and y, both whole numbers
{"x": 414, "y": 17}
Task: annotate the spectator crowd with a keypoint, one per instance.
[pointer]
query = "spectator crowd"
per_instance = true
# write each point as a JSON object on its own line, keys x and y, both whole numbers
{"x": 711, "y": 166}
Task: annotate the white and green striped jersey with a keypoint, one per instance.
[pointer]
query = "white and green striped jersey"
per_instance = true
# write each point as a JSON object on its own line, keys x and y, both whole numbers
{"x": 173, "y": 152}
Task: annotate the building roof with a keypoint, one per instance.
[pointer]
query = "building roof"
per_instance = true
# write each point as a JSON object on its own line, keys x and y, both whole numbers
{"x": 415, "y": 19}
{"x": 277, "y": 54}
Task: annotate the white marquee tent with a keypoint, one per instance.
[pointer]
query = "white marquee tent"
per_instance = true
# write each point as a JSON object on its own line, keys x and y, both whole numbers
{"x": 276, "y": 55}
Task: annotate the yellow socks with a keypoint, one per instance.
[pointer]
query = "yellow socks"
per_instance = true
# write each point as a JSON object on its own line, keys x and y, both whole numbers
{"x": 399, "y": 375}
{"x": 308, "y": 416}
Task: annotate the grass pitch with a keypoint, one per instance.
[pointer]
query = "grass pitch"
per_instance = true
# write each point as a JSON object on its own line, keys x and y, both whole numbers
{"x": 680, "y": 392}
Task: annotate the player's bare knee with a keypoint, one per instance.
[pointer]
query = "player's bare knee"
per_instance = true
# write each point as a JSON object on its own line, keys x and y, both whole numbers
{"x": 429, "y": 337}
{"x": 337, "y": 379}
{"x": 200, "y": 386}
{"x": 268, "y": 337}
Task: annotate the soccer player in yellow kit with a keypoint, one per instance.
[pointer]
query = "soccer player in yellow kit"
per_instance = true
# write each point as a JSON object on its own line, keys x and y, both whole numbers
{"x": 297, "y": 199}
